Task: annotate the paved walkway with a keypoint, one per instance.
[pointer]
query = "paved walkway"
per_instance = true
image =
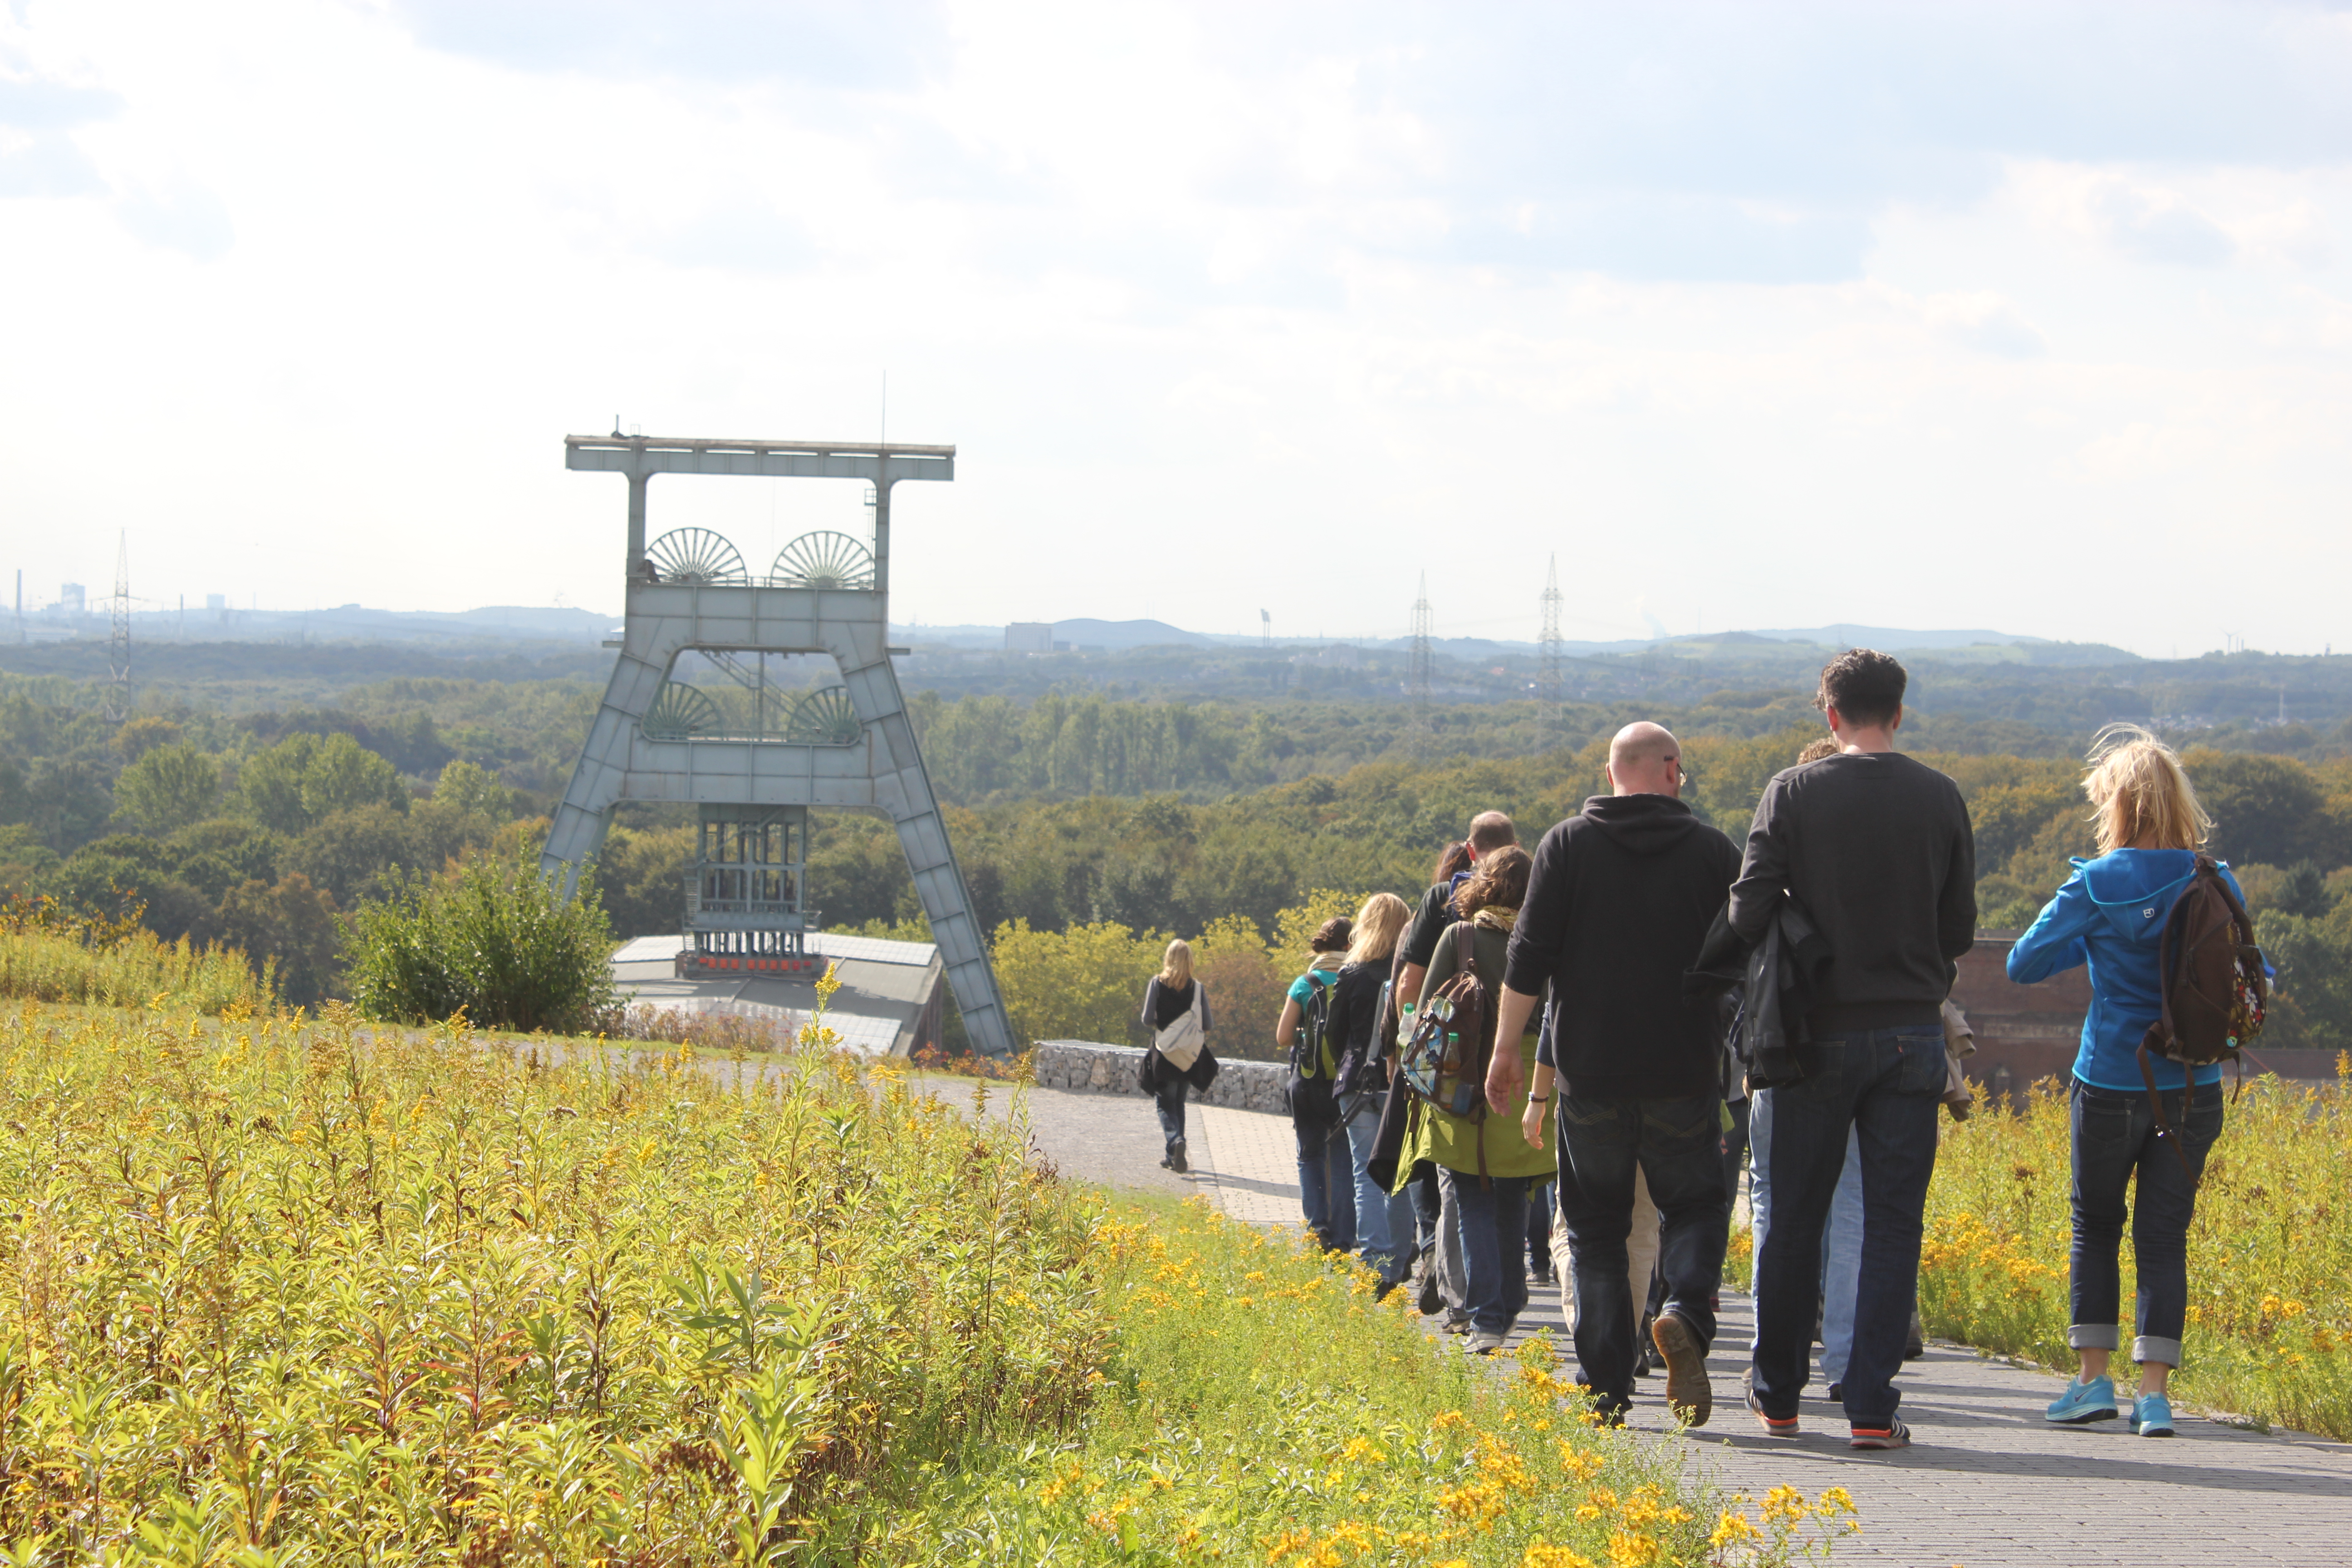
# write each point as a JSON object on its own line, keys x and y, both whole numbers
{"x": 1987, "y": 1483}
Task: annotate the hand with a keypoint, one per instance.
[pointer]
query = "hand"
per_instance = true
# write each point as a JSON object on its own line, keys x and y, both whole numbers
{"x": 1505, "y": 1076}
{"x": 1531, "y": 1124}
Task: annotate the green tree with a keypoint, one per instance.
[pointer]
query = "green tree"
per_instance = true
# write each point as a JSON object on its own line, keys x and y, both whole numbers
{"x": 2270, "y": 809}
{"x": 343, "y": 775}
{"x": 270, "y": 784}
{"x": 143, "y": 735}
{"x": 640, "y": 879}
{"x": 291, "y": 924}
{"x": 474, "y": 790}
{"x": 355, "y": 855}
{"x": 498, "y": 940}
{"x": 168, "y": 788}
{"x": 1084, "y": 984}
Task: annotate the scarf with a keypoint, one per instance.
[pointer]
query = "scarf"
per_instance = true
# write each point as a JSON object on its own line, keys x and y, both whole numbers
{"x": 1493, "y": 919}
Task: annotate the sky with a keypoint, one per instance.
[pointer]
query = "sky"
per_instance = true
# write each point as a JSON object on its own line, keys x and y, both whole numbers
{"x": 2032, "y": 317}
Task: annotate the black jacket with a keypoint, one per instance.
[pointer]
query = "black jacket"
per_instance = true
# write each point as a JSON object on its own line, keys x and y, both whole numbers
{"x": 1876, "y": 848}
{"x": 1618, "y": 904}
{"x": 1775, "y": 981}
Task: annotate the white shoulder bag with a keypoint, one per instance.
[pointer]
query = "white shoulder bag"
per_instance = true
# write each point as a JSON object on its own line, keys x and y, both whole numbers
{"x": 1179, "y": 1043}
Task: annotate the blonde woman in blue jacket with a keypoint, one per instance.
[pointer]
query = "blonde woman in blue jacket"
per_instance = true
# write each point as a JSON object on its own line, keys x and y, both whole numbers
{"x": 2111, "y": 916}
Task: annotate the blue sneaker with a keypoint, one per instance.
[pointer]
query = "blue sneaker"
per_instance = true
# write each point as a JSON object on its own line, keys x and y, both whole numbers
{"x": 2152, "y": 1415}
{"x": 2083, "y": 1402}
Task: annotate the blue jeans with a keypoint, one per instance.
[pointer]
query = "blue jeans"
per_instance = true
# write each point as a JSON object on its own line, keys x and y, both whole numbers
{"x": 1326, "y": 1184}
{"x": 2114, "y": 1136}
{"x": 1883, "y": 1085}
{"x": 1677, "y": 1145}
{"x": 1842, "y": 1266}
{"x": 1493, "y": 1219}
{"x": 1169, "y": 1101}
{"x": 1540, "y": 1232}
{"x": 1384, "y": 1221}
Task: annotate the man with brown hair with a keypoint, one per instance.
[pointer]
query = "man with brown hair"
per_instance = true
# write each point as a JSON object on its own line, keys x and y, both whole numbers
{"x": 1876, "y": 851}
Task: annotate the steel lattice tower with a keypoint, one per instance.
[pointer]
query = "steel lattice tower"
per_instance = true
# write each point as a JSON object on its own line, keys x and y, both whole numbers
{"x": 1550, "y": 680}
{"x": 117, "y": 651}
{"x": 1418, "y": 671}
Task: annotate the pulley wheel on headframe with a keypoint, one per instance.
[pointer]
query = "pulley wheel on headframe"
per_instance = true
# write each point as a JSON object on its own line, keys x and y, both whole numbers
{"x": 696, "y": 556}
{"x": 678, "y": 712}
{"x": 824, "y": 719}
{"x": 823, "y": 561}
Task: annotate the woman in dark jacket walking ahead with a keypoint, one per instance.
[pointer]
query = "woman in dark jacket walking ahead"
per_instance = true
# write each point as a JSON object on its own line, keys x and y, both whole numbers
{"x": 2111, "y": 915}
{"x": 1384, "y": 1222}
{"x": 1171, "y": 995}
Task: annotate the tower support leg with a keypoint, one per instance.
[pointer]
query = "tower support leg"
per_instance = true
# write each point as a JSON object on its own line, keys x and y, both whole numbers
{"x": 903, "y": 790}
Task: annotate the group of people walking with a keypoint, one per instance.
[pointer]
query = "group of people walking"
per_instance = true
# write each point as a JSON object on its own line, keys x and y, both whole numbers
{"x": 1664, "y": 1006}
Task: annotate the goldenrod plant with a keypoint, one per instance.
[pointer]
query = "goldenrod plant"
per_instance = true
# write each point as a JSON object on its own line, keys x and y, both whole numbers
{"x": 51, "y": 953}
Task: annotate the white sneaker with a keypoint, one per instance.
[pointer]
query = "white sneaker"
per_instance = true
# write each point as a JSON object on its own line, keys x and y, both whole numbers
{"x": 1483, "y": 1344}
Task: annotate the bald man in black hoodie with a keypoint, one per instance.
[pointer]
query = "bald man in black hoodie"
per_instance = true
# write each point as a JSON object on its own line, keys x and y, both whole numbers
{"x": 1620, "y": 899}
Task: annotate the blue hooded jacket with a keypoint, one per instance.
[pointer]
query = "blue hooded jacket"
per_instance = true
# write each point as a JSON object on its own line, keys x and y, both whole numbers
{"x": 2111, "y": 915}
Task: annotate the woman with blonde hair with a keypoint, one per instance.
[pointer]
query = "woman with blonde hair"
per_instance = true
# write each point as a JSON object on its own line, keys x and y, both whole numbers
{"x": 2111, "y": 915}
{"x": 1176, "y": 1011}
{"x": 1384, "y": 1227}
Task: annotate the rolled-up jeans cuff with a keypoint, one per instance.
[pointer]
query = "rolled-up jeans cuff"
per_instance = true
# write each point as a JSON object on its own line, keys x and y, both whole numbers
{"x": 2164, "y": 1353}
{"x": 2095, "y": 1336}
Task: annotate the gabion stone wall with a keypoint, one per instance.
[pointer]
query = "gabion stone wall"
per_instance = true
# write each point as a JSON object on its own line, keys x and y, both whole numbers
{"x": 1110, "y": 1069}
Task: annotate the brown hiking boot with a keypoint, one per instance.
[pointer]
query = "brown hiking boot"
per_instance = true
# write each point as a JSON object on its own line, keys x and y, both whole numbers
{"x": 1688, "y": 1394}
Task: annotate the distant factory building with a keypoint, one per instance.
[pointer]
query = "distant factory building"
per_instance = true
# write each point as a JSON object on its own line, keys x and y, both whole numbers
{"x": 1029, "y": 637}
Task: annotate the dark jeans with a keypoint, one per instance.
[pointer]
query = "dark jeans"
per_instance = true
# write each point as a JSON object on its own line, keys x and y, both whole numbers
{"x": 1170, "y": 1101}
{"x": 1494, "y": 1219}
{"x": 1677, "y": 1145}
{"x": 2115, "y": 1135}
{"x": 1427, "y": 1205}
{"x": 1735, "y": 1147}
{"x": 1327, "y": 1182}
{"x": 1885, "y": 1084}
{"x": 1539, "y": 1231}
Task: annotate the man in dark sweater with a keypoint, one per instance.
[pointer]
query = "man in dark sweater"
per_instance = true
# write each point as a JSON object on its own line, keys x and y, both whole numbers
{"x": 1876, "y": 848}
{"x": 1618, "y": 904}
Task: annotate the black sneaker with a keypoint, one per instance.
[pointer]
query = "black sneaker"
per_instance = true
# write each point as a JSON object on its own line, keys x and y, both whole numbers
{"x": 1893, "y": 1435}
{"x": 1835, "y": 1393}
{"x": 1916, "y": 1346}
{"x": 1176, "y": 1157}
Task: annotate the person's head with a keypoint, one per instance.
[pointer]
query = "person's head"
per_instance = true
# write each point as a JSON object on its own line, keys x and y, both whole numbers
{"x": 1378, "y": 925}
{"x": 1861, "y": 689}
{"x": 1826, "y": 746}
{"x": 1332, "y": 936}
{"x": 1176, "y": 967}
{"x": 1500, "y": 882}
{"x": 1455, "y": 859}
{"x": 1490, "y": 830}
{"x": 1645, "y": 759}
{"x": 2140, "y": 794}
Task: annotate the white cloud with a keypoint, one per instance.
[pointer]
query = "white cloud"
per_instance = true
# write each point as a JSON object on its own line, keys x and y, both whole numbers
{"x": 1988, "y": 322}
{"x": 2155, "y": 225}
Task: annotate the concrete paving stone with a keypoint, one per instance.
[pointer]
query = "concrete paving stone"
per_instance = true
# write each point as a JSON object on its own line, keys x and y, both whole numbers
{"x": 1987, "y": 1483}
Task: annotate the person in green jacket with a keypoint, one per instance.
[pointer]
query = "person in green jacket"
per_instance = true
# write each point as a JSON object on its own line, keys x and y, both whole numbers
{"x": 1486, "y": 1168}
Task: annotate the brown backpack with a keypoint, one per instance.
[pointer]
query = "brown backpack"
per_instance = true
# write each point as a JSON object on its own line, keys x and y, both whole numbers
{"x": 2214, "y": 985}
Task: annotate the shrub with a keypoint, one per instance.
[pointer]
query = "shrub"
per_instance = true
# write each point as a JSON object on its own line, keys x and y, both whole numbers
{"x": 499, "y": 941}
